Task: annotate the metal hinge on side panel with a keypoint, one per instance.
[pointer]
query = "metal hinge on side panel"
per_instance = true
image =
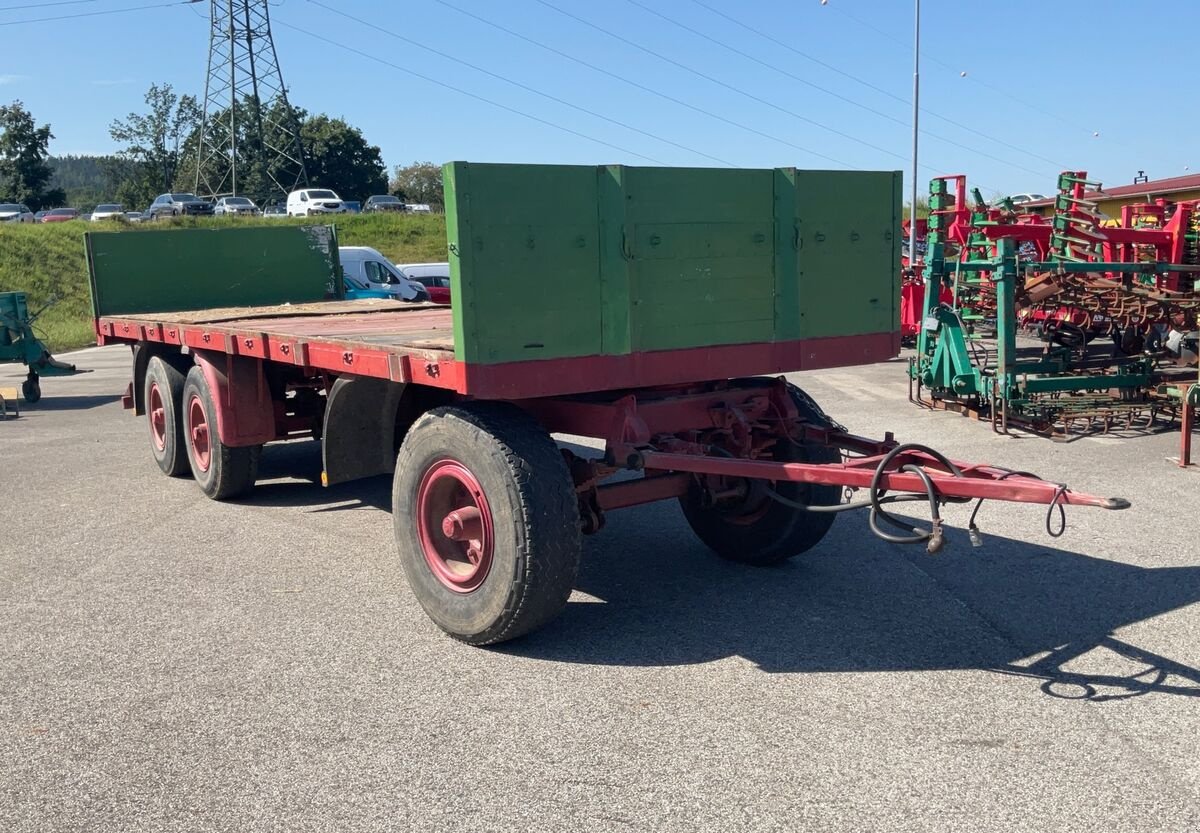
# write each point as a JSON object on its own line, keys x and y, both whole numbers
{"x": 797, "y": 240}
{"x": 626, "y": 249}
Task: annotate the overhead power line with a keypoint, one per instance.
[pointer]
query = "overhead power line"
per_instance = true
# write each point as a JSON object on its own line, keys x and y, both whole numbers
{"x": 948, "y": 119}
{"x": 358, "y": 52}
{"x": 526, "y": 87}
{"x": 96, "y": 13}
{"x": 1024, "y": 102}
{"x": 27, "y": 6}
{"x": 765, "y": 102}
{"x": 639, "y": 86}
{"x": 819, "y": 88}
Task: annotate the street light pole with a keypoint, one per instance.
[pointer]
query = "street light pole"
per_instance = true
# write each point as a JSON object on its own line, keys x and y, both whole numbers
{"x": 912, "y": 211}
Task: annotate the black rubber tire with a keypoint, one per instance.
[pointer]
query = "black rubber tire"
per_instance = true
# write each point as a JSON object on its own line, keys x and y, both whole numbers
{"x": 231, "y": 471}
{"x": 781, "y": 531}
{"x": 173, "y": 458}
{"x": 31, "y": 390}
{"x": 535, "y": 515}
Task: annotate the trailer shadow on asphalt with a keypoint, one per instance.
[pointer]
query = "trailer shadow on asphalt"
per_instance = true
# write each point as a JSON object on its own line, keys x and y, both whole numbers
{"x": 50, "y": 402}
{"x": 859, "y": 605}
{"x": 289, "y": 474}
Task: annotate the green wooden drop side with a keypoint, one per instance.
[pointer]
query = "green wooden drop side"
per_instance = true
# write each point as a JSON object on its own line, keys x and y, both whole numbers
{"x": 635, "y": 260}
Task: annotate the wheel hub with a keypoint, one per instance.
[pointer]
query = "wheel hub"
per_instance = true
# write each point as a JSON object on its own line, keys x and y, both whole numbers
{"x": 198, "y": 434}
{"x": 454, "y": 525}
{"x": 158, "y": 417}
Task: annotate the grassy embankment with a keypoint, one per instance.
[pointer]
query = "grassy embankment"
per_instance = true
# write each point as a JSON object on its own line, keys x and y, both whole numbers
{"x": 47, "y": 261}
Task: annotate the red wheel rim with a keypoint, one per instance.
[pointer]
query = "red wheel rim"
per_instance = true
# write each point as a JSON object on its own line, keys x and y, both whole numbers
{"x": 198, "y": 437}
{"x": 454, "y": 525}
{"x": 158, "y": 417}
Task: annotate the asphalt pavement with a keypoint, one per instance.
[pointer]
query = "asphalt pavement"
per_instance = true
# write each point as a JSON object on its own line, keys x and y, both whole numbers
{"x": 168, "y": 663}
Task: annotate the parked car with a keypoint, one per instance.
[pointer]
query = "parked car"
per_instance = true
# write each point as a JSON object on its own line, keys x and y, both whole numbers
{"x": 11, "y": 212}
{"x": 356, "y": 290}
{"x": 309, "y": 201}
{"x": 352, "y": 206}
{"x": 134, "y": 216}
{"x": 1021, "y": 199}
{"x": 419, "y": 208}
{"x": 383, "y": 202}
{"x": 108, "y": 211}
{"x": 367, "y": 266}
{"x": 174, "y": 205}
{"x": 275, "y": 212}
{"x": 37, "y": 217}
{"x": 236, "y": 206}
{"x": 435, "y": 277}
{"x": 60, "y": 215}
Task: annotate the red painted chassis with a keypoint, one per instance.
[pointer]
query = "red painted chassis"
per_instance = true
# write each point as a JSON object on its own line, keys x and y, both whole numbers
{"x": 682, "y": 435}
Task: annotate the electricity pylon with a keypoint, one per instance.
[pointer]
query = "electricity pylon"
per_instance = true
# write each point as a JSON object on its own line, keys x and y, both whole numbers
{"x": 250, "y": 136}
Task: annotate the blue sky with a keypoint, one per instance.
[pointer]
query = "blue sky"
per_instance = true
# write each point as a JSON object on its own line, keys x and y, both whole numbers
{"x": 831, "y": 90}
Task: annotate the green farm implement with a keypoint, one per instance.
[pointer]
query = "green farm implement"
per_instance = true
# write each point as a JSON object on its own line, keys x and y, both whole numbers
{"x": 1098, "y": 297}
{"x": 18, "y": 343}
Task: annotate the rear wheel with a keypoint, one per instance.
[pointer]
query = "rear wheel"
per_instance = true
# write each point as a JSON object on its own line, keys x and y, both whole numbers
{"x": 31, "y": 388}
{"x": 222, "y": 471}
{"x": 747, "y": 524}
{"x": 163, "y": 395}
{"x": 486, "y": 521}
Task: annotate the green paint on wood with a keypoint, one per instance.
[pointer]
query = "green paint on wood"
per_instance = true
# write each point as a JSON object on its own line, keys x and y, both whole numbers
{"x": 193, "y": 269}
{"x": 849, "y": 256}
{"x": 563, "y": 261}
{"x": 787, "y": 234}
{"x": 524, "y": 250}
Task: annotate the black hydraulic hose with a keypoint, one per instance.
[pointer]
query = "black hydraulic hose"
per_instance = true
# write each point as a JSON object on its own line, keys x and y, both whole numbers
{"x": 1059, "y": 493}
{"x": 933, "y": 537}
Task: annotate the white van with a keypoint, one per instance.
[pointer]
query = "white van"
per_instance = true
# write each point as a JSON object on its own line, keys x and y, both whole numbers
{"x": 309, "y": 201}
{"x": 367, "y": 266}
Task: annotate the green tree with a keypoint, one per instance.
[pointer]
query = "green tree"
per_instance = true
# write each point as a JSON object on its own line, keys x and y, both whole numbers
{"x": 85, "y": 179}
{"x": 24, "y": 148}
{"x": 420, "y": 182}
{"x": 922, "y": 208}
{"x": 149, "y": 163}
{"x": 339, "y": 157}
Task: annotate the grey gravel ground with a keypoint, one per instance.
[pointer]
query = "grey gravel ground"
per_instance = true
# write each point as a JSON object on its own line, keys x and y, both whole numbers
{"x": 172, "y": 664}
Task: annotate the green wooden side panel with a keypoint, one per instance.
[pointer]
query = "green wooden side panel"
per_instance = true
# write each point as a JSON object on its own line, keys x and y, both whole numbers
{"x": 191, "y": 269}
{"x": 700, "y": 253}
{"x": 567, "y": 261}
{"x": 524, "y": 261}
{"x": 848, "y": 275}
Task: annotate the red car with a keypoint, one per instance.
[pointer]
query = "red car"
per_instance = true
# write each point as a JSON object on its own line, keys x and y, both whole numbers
{"x": 435, "y": 277}
{"x": 61, "y": 215}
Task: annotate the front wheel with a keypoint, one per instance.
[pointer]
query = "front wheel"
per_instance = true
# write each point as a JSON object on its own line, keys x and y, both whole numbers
{"x": 748, "y": 524}
{"x": 221, "y": 471}
{"x": 486, "y": 521}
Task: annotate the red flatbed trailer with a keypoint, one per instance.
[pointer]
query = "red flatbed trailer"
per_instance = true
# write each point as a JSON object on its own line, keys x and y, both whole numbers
{"x": 460, "y": 404}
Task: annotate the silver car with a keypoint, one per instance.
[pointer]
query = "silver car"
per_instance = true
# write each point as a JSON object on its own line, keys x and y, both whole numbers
{"x": 237, "y": 206}
{"x": 11, "y": 212}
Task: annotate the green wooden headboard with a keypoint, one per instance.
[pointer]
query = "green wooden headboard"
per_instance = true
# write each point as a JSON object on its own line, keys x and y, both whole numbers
{"x": 193, "y": 269}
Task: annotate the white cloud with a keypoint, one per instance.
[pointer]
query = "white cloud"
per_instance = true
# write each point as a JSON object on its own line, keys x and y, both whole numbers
{"x": 11, "y": 79}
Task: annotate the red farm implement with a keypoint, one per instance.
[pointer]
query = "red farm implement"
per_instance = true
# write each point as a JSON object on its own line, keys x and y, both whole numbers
{"x": 460, "y": 405}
